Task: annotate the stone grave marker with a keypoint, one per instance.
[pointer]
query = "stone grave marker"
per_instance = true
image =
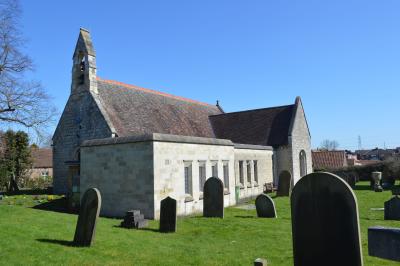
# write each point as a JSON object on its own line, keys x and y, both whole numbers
{"x": 88, "y": 214}
{"x": 260, "y": 262}
{"x": 392, "y": 209}
{"x": 384, "y": 242}
{"x": 325, "y": 223}
{"x": 134, "y": 219}
{"x": 213, "y": 201}
{"x": 284, "y": 184}
{"x": 168, "y": 215}
{"x": 265, "y": 206}
{"x": 377, "y": 177}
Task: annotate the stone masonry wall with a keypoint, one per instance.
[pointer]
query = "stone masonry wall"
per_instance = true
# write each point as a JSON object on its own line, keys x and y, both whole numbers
{"x": 264, "y": 166}
{"x": 300, "y": 140}
{"x": 169, "y": 161}
{"x": 81, "y": 120}
{"x": 124, "y": 175}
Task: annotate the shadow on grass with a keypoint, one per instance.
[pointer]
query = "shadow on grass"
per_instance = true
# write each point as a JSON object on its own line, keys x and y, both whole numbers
{"x": 58, "y": 242}
{"x": 141, "y": 229}
{"x": 58, "y": 205}
{"x": 362, "y": 187}
{"x": 244, "y": 216}
{"x": 29, "y": 192}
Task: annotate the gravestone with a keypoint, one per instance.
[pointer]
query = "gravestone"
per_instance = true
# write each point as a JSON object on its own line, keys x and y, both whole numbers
{"x": 377, "y": 178}
{"x": 384, "y": 242}
{"x": 168, "y": 215}
{"x": 284, "y": 184}
{"x": 134, "y": 219}
{"x": 89, "y": 212}
{"x": 213, "y": 201}
{"x": 265, "y": 206}
{"x": 260, "y": 262}
{"x": 325, "y": 224}
{"x": 392, "y": 209}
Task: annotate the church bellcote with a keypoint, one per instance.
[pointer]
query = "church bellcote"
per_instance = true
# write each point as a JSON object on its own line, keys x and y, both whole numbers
{"x": 84, "y": 65}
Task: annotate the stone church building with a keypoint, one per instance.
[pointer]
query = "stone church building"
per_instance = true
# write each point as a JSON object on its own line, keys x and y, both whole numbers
{"x": 138, "y": 146}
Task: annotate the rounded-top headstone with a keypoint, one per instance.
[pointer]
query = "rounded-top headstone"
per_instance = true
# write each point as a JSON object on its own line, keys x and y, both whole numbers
{"x": 89, "y": 212}
{"x": 213, "y": 198}
{"x": 284, "y": 184}
{"x": 265, "y": 206}
{"x": 325, "y": 223}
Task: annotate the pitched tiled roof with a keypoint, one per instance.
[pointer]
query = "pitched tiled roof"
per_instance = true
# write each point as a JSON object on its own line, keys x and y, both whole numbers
{"x": 268, "y": 126}
{"x": 133, "y": 111}
{"x": 329, "y": 159}
{"x": 42, "y": 157}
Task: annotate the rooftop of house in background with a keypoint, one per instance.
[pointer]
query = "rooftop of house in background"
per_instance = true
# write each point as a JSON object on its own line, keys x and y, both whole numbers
{"x": 377, "y": 154}
{"x": 328, "y": 160}
{"x": 42, "y": 157}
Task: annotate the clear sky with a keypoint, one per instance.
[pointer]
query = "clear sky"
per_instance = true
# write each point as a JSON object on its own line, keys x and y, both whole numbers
{"x": 341, "y": 56}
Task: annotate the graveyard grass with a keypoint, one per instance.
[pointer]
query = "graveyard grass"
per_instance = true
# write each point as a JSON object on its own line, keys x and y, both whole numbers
{"x": 31, "y": 236}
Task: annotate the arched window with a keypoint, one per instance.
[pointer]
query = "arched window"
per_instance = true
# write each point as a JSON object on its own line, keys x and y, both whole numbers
{"x": 303, "y": 163}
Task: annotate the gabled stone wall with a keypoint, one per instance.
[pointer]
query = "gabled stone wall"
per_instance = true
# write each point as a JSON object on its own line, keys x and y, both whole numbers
{"x": 81, "y": 120}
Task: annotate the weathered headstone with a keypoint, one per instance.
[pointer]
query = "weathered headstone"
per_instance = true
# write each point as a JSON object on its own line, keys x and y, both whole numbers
{"x": 284, "y": 184}
{"x": 89, "y": 212}
{"x": 325, "y": 224}
{"x": 213, "y": 201}
{"x": 260, "y": 262}
{"x": 265, "y": 206}
{"x": 168, "y": 215}
{"x": 392, "y": 209}
{"x": 384, "y": 242}
{"x": 377, "y": 177}
{"x": 134, "y": 219}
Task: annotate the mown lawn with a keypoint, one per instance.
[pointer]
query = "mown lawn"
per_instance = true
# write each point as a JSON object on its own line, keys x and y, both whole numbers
{"x": 31, "y": 236}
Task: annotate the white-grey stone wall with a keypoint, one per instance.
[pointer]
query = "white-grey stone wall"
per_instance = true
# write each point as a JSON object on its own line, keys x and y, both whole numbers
{"x": 124, "y": 175}
{"x": 169, "y": 161}
{"x": 300, "y": 140}
{"x": 264, "y": 166}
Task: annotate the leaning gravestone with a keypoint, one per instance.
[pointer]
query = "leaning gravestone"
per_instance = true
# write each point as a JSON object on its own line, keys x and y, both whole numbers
{"x": 284, "y": 184}
{"x": 89, "y": 212}
{"x": 265, "y": 206}
{"x": 168, "y": 215}
{"x": 392, "y": 209}
{"x": 325, "y": 224}
{"x": 213, "y": 201}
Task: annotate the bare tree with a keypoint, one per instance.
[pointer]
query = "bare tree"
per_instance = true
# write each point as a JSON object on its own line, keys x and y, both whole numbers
{"x": 23, "y": 102}
{"x": 329, "y": 145}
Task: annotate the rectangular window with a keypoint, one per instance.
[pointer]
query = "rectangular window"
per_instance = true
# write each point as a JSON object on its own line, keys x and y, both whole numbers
{"x": 241, "y": 176}
{"x": 188, "y": 178}
{"x": 248, "y": 172}
{"x": 226, "y": 174}
{"x": 214, "y": 168}
{"x": 202, "y": 175}
{"x": 255, "y": 171}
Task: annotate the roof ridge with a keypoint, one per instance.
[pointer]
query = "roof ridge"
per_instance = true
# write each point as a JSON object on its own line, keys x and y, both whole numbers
{"x": 252, "y": 110}
{"x": 153, "y": 91}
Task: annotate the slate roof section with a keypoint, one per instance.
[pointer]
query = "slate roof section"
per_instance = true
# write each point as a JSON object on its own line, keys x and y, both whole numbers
{"x": 268, "y": 126}
{"x": 329, "y": 159}
{"x": 135, "y": 111}
{"x": 42, "y": 157}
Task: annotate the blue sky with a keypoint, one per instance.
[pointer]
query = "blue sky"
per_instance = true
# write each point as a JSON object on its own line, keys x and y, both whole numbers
{"x": 342, "y": 57}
